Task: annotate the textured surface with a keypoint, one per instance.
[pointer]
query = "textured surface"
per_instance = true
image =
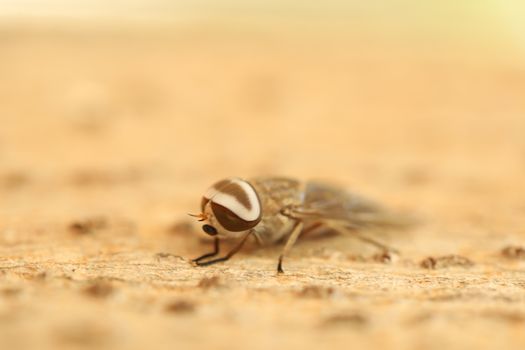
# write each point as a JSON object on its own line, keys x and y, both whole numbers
{"x": 109, "y": 137}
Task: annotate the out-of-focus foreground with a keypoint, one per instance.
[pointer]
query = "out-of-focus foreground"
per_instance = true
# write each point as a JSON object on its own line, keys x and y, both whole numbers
{"x": 114, "y": 121}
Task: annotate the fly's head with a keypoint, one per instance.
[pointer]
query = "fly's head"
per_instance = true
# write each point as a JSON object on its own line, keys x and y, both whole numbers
{"x": 230, "y": 207}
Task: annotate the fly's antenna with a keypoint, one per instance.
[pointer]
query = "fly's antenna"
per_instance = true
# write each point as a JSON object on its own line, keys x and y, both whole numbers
{"x": 200, "y": 217}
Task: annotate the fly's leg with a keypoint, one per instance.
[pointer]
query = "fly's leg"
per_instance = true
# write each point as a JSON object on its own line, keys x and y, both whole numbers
{"x": 209, "y": 255}
{"x": 311, "y": 228}
{"x": 375, "y": 243}
{"x": 289, "y": 244}
{"x": 227, "y": 256}
{"x": 339, "y": 227}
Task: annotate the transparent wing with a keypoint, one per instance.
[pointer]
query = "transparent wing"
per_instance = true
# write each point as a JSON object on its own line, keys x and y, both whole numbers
{"x": 326, "y": 202}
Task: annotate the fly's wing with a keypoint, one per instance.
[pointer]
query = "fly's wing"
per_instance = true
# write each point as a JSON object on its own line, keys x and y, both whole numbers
{"x": 327, "y": 202}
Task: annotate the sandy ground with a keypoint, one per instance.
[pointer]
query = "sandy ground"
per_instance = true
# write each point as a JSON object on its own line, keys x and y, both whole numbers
{"x": 109, "y": 137}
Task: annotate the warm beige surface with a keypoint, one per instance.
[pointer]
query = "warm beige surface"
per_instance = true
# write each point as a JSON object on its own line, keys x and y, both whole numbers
{"x": 108, "y": 137}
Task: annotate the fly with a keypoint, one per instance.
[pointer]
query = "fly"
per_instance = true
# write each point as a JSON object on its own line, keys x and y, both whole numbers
{"x": 273, "y": 209}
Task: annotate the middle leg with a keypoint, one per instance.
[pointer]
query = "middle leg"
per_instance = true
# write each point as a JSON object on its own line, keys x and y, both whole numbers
{"x": 289, "y": 244}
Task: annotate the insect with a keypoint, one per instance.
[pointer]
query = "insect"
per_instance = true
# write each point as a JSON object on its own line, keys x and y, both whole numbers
{"x": 273, "y": 209}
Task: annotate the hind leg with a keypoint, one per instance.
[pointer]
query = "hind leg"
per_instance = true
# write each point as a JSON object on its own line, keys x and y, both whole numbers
{"x": 342, "y": 228}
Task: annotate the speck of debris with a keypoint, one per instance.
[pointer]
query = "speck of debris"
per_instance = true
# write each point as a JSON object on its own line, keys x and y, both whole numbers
{"x": 41, "y": 276}
{"x": 354, "y": 319}
{"x": 168, "y": 255}
{"x": 14, "y": 180}
{"x": 180, "y": 307}
{"x": 385, "y": 257}
{"x": 210, "y": 282}
{"x": 432, "y": 263}
{"x": 315, "y": 291}
{"x": 38, "y": 276}
{"x": 420, "y": 318}
{"x": 99, "y": 289}
{"x": 446, "y": 297}
{"x": 85, "y": 334}
{"x": 513, "y": 252}
{"x": 356, "y": 258}
{"x": 510, "y": 316}
{"x": 416, "y": 176}
{"x": 10, "y": 291}
{"x": 88, "y": 225}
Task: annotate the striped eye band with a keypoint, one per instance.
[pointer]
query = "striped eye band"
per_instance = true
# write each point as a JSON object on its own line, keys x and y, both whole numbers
{"x": 234, "y": 203}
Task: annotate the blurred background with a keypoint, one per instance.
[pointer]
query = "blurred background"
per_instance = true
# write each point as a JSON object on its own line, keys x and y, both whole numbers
{"x": 124, "y": 112}
{"x": 134, "y": 107}
{"x": 164, "y": 97}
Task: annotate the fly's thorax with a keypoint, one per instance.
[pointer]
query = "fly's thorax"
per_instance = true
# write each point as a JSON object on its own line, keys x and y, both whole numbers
{"x": 231, "y": 207}
{"x": 276, "y": 193}
{"x": 273, "y": 228}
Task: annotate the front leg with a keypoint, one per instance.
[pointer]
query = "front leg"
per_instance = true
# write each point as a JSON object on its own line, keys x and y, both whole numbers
{"x": 227, "y": 256}
{"x": 209, "y": 255}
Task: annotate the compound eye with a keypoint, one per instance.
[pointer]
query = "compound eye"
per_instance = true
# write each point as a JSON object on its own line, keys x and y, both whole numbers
{"x": 229, "y": 220}
{"x": 236, "y": 206}
{"x": 212, "y": 191}
{"x": 212, "y": 231}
